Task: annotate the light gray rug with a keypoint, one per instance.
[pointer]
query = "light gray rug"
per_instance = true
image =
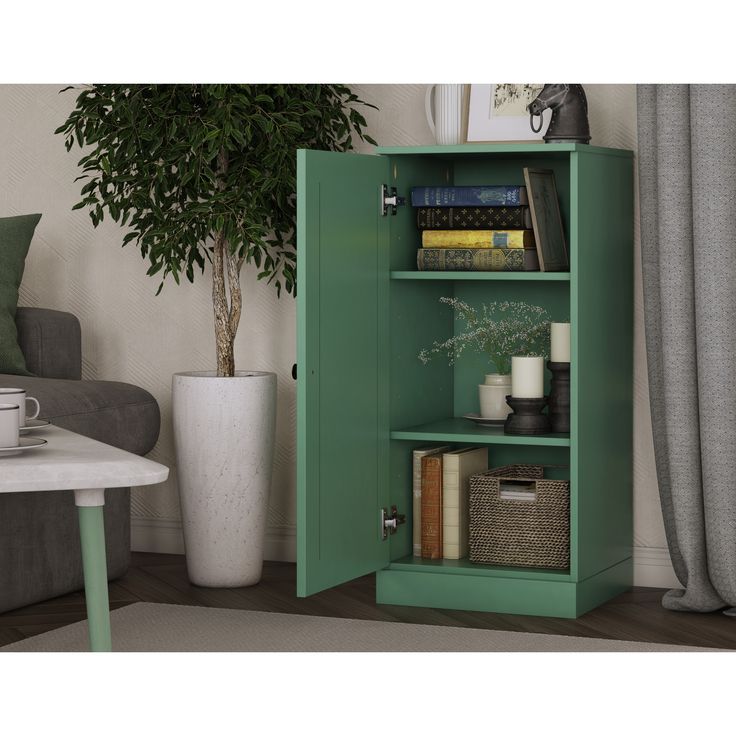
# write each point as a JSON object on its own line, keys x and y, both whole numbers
{"x": 154, "y": 627}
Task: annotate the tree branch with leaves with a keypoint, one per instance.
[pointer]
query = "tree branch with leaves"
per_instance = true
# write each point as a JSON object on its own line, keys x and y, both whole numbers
{"x": 207, "y": 173}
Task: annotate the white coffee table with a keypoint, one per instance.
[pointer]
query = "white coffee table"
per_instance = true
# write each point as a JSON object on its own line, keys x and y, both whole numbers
{"x": 70, "y": 462}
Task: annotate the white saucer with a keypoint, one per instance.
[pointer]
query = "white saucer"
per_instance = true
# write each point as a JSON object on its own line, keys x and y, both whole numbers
{"x": 34, "y": 424}
{"x": 25, "y": 443}
{"x": 483, "y": 422}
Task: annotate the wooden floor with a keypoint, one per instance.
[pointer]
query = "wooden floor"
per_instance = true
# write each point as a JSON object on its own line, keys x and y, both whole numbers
{"x": 633, "y": 616}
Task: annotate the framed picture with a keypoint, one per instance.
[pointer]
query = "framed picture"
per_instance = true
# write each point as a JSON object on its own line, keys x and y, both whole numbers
{"x": 549, "y": 233}
{"x": 497, "y": 112}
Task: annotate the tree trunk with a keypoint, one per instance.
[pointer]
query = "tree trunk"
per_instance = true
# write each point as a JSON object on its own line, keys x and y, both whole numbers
{"x": 225, "y": 280}
{"x": 224, "y": 337}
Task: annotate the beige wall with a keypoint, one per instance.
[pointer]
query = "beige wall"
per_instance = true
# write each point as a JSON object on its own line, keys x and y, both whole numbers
{"x": 130, "y": 335}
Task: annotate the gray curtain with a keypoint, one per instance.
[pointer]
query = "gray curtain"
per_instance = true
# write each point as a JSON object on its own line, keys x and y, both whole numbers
{"x": 687, "y": 189}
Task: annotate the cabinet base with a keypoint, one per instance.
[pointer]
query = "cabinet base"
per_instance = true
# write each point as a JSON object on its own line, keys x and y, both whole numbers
{"x": 521, "y": 596}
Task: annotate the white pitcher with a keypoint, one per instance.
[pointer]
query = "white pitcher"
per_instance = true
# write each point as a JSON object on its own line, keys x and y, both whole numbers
{"x": 444, "y": 107}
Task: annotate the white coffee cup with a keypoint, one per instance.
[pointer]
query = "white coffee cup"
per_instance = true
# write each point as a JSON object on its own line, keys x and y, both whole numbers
{"x": 18, "y": 397}
{"x": 9, "y": 425}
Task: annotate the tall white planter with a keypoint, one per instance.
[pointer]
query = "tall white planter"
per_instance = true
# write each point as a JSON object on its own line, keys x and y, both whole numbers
{"x": 224, "y": 438}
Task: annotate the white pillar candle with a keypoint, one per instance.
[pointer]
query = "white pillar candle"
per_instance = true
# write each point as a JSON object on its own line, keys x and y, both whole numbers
{"x": 560, "y": 349}
{"x": 527, "y": 378}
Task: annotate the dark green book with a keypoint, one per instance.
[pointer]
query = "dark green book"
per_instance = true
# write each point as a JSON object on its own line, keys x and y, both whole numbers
{"x": 477, "y": 259}
{"x": 473, "y": 218}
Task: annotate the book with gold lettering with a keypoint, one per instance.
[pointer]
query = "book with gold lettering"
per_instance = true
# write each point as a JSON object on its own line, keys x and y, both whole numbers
{"x": 492, "y": 195}
{"x": 477, "y": 259}
{"x": 417, "y": 456}
{"x": 478, "y": 238}
{"x": 432, "y": 507}
{"x": 474, "y": 218}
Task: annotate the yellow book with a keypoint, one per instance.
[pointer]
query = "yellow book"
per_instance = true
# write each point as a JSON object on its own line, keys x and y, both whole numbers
{"x": 478, "y": 238}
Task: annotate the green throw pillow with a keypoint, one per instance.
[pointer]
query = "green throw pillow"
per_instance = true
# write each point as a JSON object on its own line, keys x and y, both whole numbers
{"x": 15, "y": 239}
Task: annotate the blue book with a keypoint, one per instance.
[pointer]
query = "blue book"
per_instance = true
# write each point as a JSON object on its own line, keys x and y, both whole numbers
{"x": 492, "y": 195}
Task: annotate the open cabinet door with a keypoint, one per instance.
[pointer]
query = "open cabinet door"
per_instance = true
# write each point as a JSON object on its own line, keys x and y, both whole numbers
{"x": 342, "y": 391}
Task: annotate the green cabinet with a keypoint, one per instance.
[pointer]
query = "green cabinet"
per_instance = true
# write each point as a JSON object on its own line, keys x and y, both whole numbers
{"x": 365, "y": 401}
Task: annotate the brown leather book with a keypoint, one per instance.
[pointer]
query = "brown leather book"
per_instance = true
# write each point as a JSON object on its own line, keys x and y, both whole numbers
{"x": 432, "y": 507}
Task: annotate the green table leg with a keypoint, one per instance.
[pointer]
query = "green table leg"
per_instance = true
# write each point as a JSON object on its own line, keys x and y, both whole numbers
{"x": 94, "y": 562}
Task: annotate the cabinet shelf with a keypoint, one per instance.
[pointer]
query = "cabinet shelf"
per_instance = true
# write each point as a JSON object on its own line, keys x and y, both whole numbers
{"x": 480, "y": 275}
{"x": 498, "y": 150}
{"x": 466, "y": 567}
{"x": 457, "y": 429}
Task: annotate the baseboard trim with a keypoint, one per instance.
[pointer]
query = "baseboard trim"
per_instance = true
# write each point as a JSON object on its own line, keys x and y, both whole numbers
{"x": 164, "y": 536}
{"x": 653, "y": 568}
{"x": 161, "y": 536}
{"x": 652, "y": 565}
{"x": 280, "y": 545}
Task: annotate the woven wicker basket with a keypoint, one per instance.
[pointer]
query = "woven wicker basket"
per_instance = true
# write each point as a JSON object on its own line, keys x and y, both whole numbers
{"x": 525, "y": 533}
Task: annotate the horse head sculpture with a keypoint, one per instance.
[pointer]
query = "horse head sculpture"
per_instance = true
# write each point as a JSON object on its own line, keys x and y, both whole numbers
{"x": 569, "y": 121}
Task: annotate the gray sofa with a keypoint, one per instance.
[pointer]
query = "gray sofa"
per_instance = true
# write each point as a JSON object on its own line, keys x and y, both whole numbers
{"x": 39, "y": 533}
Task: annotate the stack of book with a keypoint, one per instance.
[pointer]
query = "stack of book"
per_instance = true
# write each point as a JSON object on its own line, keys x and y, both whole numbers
{"x": 479, "y": 228}
{"x": 441, "y": 499}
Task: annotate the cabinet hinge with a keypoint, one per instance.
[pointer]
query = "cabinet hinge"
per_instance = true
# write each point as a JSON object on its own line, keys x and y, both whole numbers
{"x": 390, "y": 200}
{"x": 390, "y": 522}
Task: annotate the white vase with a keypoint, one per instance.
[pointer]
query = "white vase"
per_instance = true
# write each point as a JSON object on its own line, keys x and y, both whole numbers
{"x": 493, "y": 395}
{"x": 444, "y": 107}
{"x": 224, "y": 432}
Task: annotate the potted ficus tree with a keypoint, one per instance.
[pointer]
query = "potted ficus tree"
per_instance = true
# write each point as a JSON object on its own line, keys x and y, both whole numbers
{"x": 205, "y": 175}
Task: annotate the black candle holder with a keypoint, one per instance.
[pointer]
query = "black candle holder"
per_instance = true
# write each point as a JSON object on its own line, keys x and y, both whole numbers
{"x": 559, "y": 396}
{"x": 526, "y": 417}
